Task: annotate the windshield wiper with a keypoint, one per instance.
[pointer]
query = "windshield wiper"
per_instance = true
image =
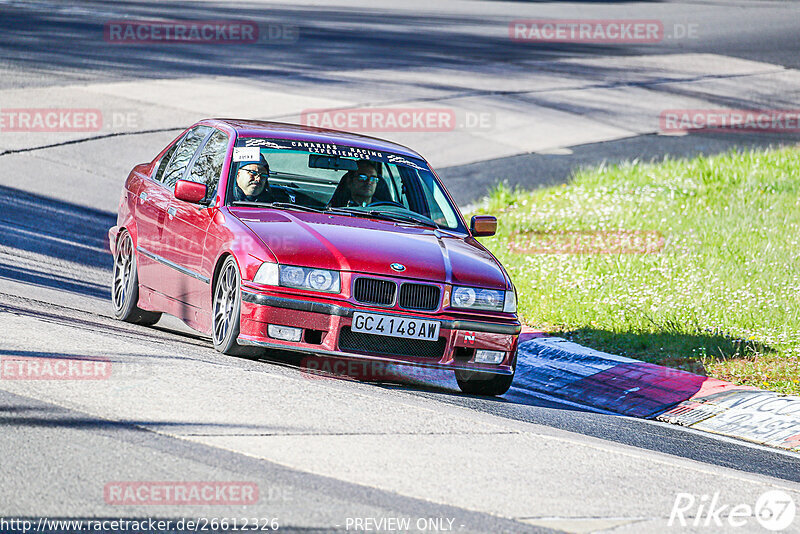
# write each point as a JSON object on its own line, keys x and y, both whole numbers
{"x": 402, "y": 217}
{"x": 301, "y": 207}
{"x": 340, "y": 211}
{"x": 396, "y": 217}
{"x": 285, "y": 205}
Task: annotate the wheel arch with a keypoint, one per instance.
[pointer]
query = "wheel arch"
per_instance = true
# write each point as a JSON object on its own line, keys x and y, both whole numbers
{"x": 218, "y": 267}
{"x": 129, "y": 228}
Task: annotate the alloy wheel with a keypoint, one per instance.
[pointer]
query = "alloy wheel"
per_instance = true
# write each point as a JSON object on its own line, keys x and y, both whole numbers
{"x": 225, "y": 302}
{"x": 123, "y": 265}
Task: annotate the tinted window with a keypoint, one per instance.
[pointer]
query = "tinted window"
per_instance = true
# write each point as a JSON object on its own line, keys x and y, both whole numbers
{"x": 404, "y": 187}
{"x": 184, "y": 154}
{"x": 162, "y": 164}
{"x": 208, "y": 165}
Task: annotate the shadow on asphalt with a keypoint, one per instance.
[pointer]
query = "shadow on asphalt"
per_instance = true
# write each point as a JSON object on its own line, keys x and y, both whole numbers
{"x": 49, "y": 279}
{"x": 31, "y": 354}
{"x": 55, "y": 228}
{"x": 72, "y": 237}
{"x": 438, "y": 382}
{"x": 73, "y": 422}
{"x": 325, "y": 41}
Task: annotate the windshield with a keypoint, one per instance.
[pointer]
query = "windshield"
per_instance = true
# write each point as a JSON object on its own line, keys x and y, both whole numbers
{"x": 339, "y": 179}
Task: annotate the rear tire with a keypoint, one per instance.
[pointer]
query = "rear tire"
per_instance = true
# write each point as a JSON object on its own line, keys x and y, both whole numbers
{"x": 482, "y": 383}
{"x": 125, "y": 285}
{"x": 226, "y": 311}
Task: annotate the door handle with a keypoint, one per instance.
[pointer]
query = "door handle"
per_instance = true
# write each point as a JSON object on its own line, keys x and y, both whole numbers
{"x": 142, "y": 196}
{"x": 172, "y": 212}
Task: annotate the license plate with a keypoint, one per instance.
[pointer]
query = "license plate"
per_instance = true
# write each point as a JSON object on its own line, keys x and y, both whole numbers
{"x": 388, "y": 325}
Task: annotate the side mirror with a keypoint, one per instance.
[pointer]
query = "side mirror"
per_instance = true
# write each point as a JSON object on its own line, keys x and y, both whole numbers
{"x": 483, "y": 225}
{"x": 190, "y": 191}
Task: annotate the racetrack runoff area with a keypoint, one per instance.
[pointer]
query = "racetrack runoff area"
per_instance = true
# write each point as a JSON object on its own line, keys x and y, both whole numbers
{"x": 173, "y": 409}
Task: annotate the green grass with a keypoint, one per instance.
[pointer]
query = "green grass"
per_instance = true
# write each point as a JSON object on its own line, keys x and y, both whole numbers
{"x": 719, "y": 295}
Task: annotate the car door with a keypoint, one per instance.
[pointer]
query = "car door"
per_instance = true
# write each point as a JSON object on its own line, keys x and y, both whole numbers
{"x": 151, "y": 213}
{"x": 187, "y": 225}
{"x": 161, "y": 272}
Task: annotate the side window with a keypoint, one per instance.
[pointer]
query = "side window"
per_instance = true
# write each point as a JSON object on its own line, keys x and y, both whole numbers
{"x": 396, "y": 184}
{"x": 436, "y": 200}
{"x": 164, "y": 161}
{"x": 208, "y": 165}
{"x": 183, "y": 155}
{"x": 440, "y": 209}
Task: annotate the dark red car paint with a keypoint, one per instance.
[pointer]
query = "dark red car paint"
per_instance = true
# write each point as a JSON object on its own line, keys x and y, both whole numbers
{"x": 192, "y": 241}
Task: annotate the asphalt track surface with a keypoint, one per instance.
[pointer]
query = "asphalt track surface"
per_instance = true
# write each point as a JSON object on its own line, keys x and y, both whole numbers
{"x": 314, "y": 447}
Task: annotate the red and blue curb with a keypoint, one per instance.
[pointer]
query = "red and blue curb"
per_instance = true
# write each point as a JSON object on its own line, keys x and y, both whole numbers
{"x": 620, "y": 385}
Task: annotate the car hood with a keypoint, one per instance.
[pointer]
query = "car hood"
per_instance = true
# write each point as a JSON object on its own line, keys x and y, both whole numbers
{"x": 371, "y": 246}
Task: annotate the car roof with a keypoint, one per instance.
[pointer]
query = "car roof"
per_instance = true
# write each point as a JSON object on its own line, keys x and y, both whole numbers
{"x": 297, "y": 132}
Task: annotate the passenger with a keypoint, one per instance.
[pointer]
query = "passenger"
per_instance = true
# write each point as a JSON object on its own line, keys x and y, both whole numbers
{"x": 357, "y": 187}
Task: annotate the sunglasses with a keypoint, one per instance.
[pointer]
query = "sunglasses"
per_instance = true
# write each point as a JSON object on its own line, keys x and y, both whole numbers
{"x": 262, "y": 175}
{"x": 365, "y": 178}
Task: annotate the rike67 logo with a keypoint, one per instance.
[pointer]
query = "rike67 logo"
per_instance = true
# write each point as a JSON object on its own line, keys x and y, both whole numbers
{"x": 775, "y": 510}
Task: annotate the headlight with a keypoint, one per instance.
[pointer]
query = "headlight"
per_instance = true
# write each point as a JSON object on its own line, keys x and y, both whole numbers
{"x": 272, "y": 274}
{"x": 463, "y": 297}
{"x": 478, "y": 299}
{"x": 307, "y": 278}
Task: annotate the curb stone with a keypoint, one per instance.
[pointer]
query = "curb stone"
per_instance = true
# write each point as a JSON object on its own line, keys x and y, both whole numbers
{"x": 635, "y": 388}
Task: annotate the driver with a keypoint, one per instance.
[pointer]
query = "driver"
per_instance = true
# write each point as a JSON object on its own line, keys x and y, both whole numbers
{"x": 359, "y": 186}
{"x": 252, "y": 183}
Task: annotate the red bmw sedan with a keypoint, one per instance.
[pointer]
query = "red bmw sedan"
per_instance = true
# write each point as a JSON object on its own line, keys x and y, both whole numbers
{"x": 275, "y": 236}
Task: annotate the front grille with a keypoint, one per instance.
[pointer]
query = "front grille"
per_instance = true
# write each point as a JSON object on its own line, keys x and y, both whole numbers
{"x": 419, "y": 297}
{"x": 390, "y": 346}
{"x": 374, "y": 291}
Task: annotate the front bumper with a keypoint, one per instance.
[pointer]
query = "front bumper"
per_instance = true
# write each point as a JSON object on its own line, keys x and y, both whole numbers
{"x": 325, "y": 323}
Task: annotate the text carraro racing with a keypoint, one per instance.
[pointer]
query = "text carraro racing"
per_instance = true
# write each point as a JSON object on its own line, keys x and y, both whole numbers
{"x": 275, "y": 236}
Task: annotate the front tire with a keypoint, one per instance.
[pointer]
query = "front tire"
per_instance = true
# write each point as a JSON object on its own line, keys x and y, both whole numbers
{"x": 482, "y": 383}
{"x": 226, "y": 311}
{"x": 125, "y": 286}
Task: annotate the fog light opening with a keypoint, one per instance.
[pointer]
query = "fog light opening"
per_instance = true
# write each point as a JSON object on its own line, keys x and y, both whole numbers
{"x": 464, "y": 354}
{"x": 314, "y": 337}
{"x": 489, "y": 356}
{"x": 285, "y": 333}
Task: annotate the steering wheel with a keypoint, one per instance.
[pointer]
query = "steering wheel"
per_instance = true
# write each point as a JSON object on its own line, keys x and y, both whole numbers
{"x": 385, "y": 203}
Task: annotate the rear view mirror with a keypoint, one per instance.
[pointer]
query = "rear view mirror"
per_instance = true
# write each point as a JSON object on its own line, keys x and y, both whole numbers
{"x": 483, "y": 225}
{"x": 335, "y": 163}
{"x": 188, "y": 191}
